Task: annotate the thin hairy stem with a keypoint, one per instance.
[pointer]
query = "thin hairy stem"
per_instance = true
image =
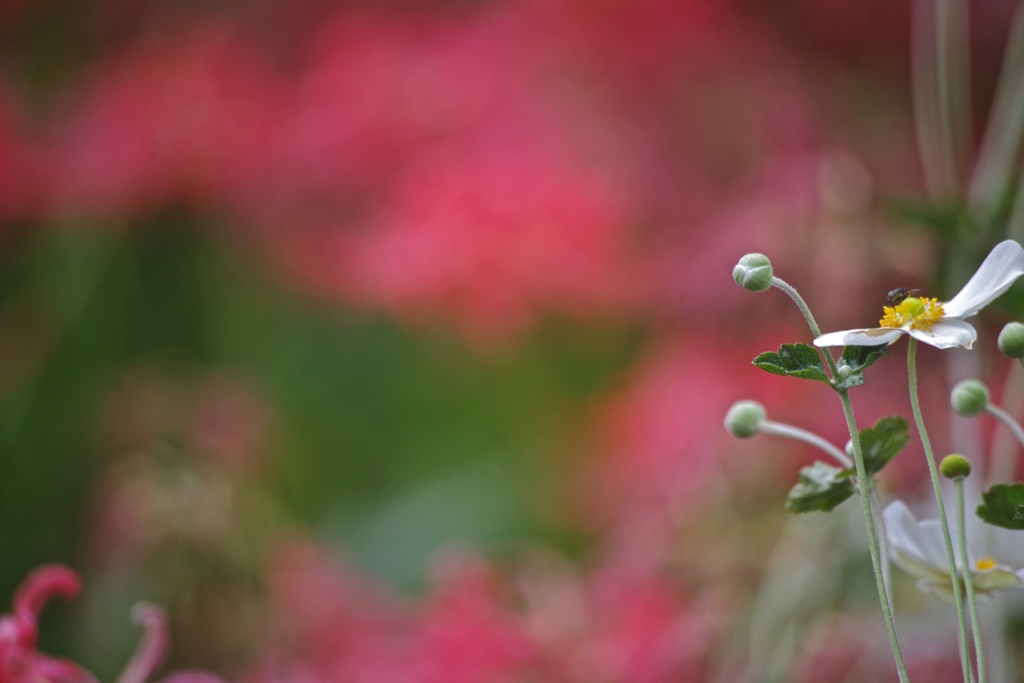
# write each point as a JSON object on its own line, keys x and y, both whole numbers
{"x": 933, "y": 471}
{"x": 873, "y": 545}
{"x": 791, "y": 432}
{"x": 979, "y": 651}
{"x": 779, "y": 283}
{"x": 865, "y": 486}
{"x": 1003, "y": 469}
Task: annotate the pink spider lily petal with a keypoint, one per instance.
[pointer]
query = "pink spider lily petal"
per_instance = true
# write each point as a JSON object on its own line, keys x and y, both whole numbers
{"x": 152, "y": 650}
{"x": 152, "y": 647}
{"x": 42, "y": 584}
{"x": 20, "y": 662}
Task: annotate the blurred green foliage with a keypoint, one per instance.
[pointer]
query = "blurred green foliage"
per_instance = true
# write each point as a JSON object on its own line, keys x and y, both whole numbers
{"x": 389, "y": 439}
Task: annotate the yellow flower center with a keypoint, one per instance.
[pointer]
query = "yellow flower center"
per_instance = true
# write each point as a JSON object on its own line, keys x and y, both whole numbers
{"x": 919, "y": 314}
{"x": 985, "y": 563}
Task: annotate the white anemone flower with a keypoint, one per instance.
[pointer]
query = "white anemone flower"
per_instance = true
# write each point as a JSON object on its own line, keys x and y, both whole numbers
{"x": 941, "y": 324}
{"x": 920, "y": 550}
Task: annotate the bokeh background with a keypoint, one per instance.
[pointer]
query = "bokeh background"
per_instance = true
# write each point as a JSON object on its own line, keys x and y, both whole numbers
{"x": 390, "y": 341}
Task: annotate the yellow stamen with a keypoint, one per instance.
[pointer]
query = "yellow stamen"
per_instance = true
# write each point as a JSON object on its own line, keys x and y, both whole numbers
{"x": 985, "y": 563}
{"x": 919, "y": 314}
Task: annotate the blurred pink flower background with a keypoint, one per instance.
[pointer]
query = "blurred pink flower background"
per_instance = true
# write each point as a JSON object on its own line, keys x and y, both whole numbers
{"x": 276, "y": 270}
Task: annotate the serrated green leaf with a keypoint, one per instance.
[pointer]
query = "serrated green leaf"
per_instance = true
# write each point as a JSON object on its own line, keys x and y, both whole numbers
{"x": 850, "y": 366}
{"x": 860, "y": 357}
{"x": 796, "y": 360}
{"x": 881, "y": 442}
{"x": 821, "y": 487}
{"x": 1003, "y": 505}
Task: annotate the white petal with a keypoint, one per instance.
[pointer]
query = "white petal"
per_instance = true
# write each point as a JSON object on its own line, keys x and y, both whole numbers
{"x": 948, "y": 334}
{"x": 994, "y": 579}
{"x": 918, "y": 547}
{"x": 940, "y": 588}
{"x": 999, "y": 270}
{"x": 875, "y": 336}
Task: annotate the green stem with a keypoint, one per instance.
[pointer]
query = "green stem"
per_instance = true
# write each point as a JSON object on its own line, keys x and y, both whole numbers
{"x": 791, "y": 432}
{"x": 933, "y": 471}
{"x": 930, "y": 121}
{"x": 951, "y": 81}
{"x": 873, "y": 546}
{"x": 1003, "y": 452}
{"x": 865, "y": 486}
{"x": 799, "y": 301}
{"x": 1002, "y": 468}
{"x": 979, "y": 651}
{"x": 883, "y": 540}
{"x": 1005, "y": 129}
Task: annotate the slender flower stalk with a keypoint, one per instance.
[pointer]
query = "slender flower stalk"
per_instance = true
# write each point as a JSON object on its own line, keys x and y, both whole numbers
{"x": 970, "y": 398}
{"x": 1004, "y": 131}
{"x": 931, "y": 121}
{"x": 1012, "y": 425}
{"x": 1003, "y": 465}
{"x": 874, "y": 548}
{"x": 747, "y": 418}
{"x": 1015, "y": 224}
{"x": 952, "y": 80}
{"x": 791, "y": 432}
{"x": 781, "y": 284}
{"x": 937, "y": 489}
{"x": 965, "y": 562}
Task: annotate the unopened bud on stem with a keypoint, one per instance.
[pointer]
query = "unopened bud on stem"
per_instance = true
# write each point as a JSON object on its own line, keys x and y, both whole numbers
{"x": 744, "y": 419}
{"x": 1011, "y": 340}
{"x": 753, "y": 273}
{"x": 955, "y": 467}
{"x": 969, "y": 398}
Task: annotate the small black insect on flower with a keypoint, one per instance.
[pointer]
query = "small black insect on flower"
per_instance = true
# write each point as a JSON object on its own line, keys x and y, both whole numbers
{"x": 896, "y": 296}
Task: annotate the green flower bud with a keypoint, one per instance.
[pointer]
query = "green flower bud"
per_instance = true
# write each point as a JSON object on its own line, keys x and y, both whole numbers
{"x": 843, "y": 369}
{"x": 1011, "y": 340}
{"x": 744, "y": 419}
{"x": 969, "y": 398}
{"x": 753, "y": 273}
{"x": 955, "y": 467}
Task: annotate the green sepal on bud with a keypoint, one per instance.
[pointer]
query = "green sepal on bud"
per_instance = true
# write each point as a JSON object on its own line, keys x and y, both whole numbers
{"x": 753, "y": 273}
{"x": 955, "y": 467}
{"x": 744, "y": 419}
{"x": 969, "y": 398}
{"x": 1011, "y": 340}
